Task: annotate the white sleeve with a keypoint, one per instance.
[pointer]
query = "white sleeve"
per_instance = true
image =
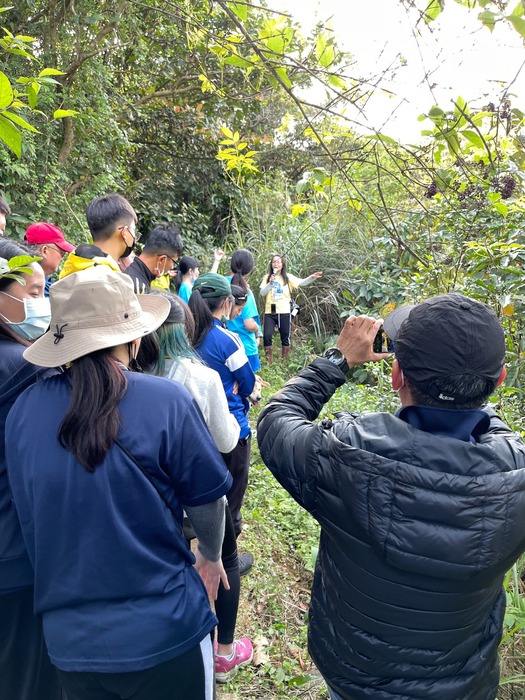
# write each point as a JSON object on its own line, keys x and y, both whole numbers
{"x": 222, "y": 425}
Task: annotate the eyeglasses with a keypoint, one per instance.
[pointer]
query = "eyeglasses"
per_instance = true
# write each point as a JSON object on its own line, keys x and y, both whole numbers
{"x": 175, "y": 262}
{"x": 52, "y": 246}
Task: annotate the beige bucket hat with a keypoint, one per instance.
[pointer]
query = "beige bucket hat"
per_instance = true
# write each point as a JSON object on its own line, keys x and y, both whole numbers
{"x": 93, "y": 309}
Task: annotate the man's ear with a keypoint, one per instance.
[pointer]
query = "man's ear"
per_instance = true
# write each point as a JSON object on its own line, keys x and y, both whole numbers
{"x": 502, "y": 376}
{"x": 397, "y": 376}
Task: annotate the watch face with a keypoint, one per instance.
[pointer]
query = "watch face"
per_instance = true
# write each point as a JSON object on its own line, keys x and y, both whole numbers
{"x": 334, "y": 355}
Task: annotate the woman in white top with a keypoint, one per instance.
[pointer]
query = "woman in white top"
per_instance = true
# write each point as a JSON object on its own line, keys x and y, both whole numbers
{"x": 177, "y": 360}
{"x": 277, "y": 287}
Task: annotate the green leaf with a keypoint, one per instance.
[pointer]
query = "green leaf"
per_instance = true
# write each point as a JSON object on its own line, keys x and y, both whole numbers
{"x": 61, "y": 113}
{"x": 32, "y": 96}
{"x": 22, "y": 261}
{"x": 324, "y": 51}
{"x": 452, "y": 143}
{"x": 50, "y": 71}
{"x": 473, "y": 137}
{"x": 518, "y": 23}
{"x": 21, "y": 52}
{"x": 327, "y": 58}
{"x": 10, "y": 135}
{"x": 6, "y": 9}
{"x": 460, "y": 111}
{"x": 25, "y": 39}
{"x": 320, "y": 45}
{"x": 17, "y": 119}
{"x": 236, "y": 60}
{"x": 437, "y": 115}
{"x": 501, "y": 208}
{"x": 487, "y": 18}
{"x": 443, "y": 178}
{"x": 240, "y": 9}
{"x": 6, "y": 91}
{"x": 337, "y": 82}
{"x": 283, "y": 75}
{"x": 518, "y": 10}
{"x": 433, "y": 10}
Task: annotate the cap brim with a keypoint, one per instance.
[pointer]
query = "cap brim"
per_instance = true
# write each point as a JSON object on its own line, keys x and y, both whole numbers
{"x": 48, "y": 352}
{"x": 65, "y": 246}
{"x": 395, "y": 320}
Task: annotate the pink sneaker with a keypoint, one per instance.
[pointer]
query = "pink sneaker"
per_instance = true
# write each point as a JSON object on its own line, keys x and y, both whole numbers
{"x": 227, "y": 668}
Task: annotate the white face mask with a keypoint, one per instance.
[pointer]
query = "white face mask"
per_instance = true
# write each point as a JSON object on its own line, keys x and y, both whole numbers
{"x": 37, "y": 317}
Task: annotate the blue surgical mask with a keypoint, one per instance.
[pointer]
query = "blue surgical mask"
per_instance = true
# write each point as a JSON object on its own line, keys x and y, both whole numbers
{"x": 37, "y": 317}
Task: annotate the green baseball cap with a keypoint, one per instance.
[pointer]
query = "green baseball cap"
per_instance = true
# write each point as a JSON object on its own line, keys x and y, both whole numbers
{"x": 212, "y": 285}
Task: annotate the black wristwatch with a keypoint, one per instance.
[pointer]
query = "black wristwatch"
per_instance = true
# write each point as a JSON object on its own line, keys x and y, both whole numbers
{"x": 335, "y": 356}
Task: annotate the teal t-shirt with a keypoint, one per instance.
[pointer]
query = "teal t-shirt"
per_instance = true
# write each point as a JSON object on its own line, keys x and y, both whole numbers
{"x": 185, "y": 291}
{"x": 237, "y": 325}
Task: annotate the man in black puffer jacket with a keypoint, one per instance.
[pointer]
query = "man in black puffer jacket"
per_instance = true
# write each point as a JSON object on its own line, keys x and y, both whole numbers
{"x": 421, "y": 512}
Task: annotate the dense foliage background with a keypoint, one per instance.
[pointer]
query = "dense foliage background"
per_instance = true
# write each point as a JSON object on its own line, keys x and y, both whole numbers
{"x": 203, "y": 112}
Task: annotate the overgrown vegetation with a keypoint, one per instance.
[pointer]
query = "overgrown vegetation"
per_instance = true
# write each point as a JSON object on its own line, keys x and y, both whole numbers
{"x": 201, "y": 112}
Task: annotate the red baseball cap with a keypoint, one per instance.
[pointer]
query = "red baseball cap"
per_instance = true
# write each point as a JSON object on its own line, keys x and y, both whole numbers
{"x": 41, "y": 233}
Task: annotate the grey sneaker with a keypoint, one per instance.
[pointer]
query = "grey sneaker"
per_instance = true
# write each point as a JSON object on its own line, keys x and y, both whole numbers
{"x": 245, "y": 563}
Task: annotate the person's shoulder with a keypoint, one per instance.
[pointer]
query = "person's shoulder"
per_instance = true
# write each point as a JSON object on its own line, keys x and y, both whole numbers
{"x": 11, "y": 350}
{"x": 293, "y": 278}
{"x": 231, "y": 336}
{"x": 42, "y": 390}
{"x": 134, "y": 269}
{"x": 161, "y": 388}
{"x": 13, "y": 365}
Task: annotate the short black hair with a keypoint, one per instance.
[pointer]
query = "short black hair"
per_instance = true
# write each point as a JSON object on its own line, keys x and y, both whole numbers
{"x": 104, "y": 213}
{"x": 4, "y": 207}
{"x": 164, "y": 239}
{"x": 187, "y": 263}
{"x": 456, "y": 384}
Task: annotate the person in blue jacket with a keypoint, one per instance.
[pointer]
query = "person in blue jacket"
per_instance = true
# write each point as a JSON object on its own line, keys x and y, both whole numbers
{"x": 211, "y": 304}
{"x": 25, "y": 670}
{"x": 100, "y": 481}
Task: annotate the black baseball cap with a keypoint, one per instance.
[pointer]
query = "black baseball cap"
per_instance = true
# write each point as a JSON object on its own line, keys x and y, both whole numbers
{"x": 446, "y": 335}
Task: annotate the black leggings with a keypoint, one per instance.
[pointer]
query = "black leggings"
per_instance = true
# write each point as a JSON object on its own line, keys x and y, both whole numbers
{"x": 227, "y": 603}
{"x": 238, "y": 463}
{"x": 283, "y": 322}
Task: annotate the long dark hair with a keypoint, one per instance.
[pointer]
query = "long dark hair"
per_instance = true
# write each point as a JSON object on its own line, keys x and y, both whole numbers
{"x": 174, "y": 335}
{"x": 283, "y": 270}
{"x": 91, "y": 424}
{"x": 186, "y": 263}
{"x": 242, "y": 263}
{"x": 202, "y": 310}
{"x": 8, "y": 250}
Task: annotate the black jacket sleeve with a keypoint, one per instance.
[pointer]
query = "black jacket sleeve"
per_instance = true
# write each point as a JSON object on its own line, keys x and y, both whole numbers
{"x": 289, "y": 442}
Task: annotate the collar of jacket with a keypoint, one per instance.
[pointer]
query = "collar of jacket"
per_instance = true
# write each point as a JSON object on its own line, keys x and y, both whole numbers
{"x": 462, "y": 425}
